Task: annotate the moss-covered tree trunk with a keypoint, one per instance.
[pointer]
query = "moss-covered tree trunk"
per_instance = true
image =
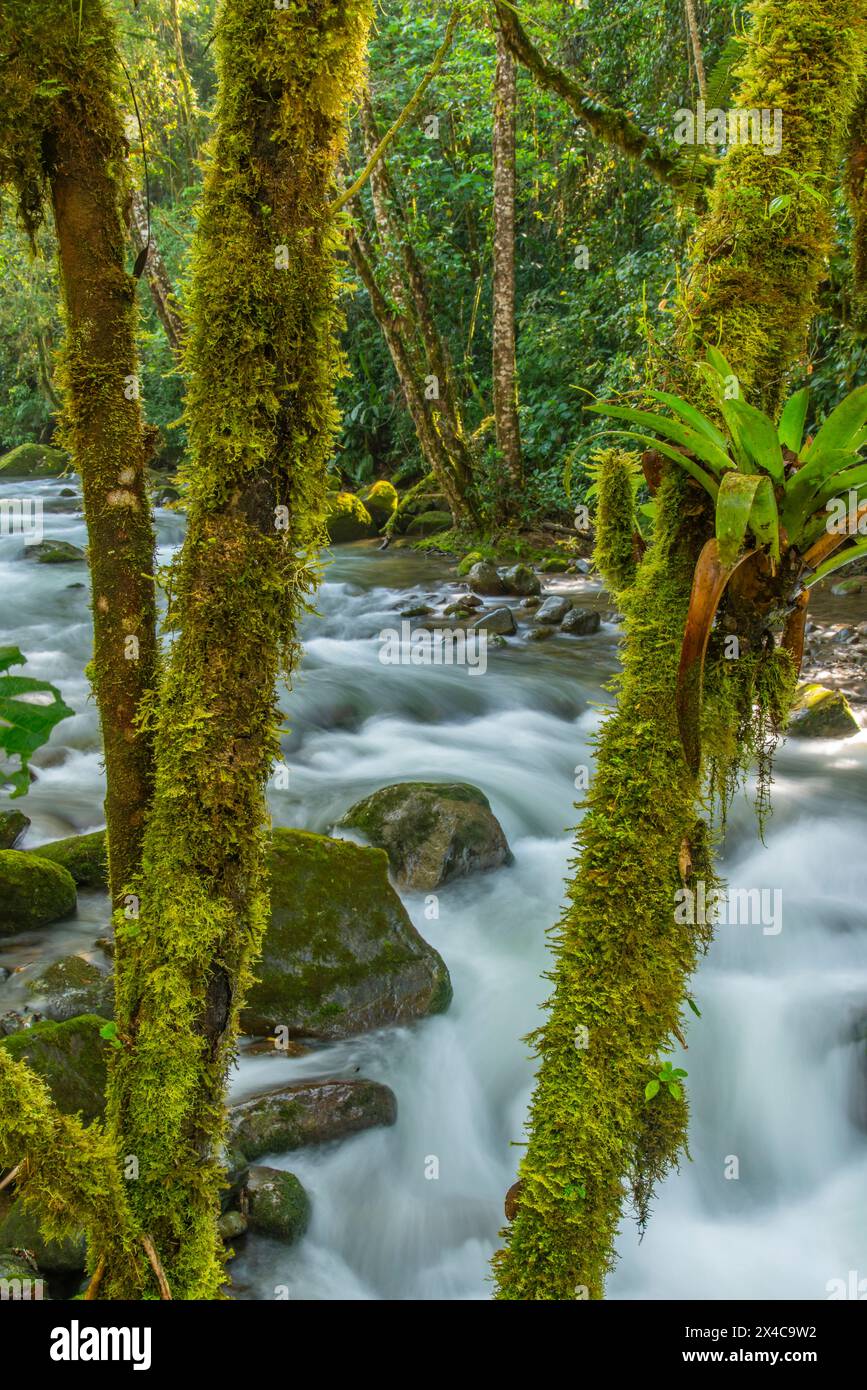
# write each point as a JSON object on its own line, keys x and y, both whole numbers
{"x": 61, "y": 133}
{"x": 622, "y": 962}
{"x": 261, "y": 362}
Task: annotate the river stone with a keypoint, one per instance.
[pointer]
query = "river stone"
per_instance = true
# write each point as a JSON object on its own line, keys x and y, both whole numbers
{"x": 822, "y": 713}
{"x": 581, "y": 622}
{"x": 83, "y": 856}
{"x": 21, "y": 1231}
{"x": 21, "y": 1279}
{"x": 500, "y": 621}
{"x": 33, "y": 892}
{"x": 341, "y": 956}
{"x": 520, "y": 580}
{"x": 432, "y": 831}
{"x": 33, "y": 461}
{"x": 484, "y": 577}
{"x": 71, "y": 1059}
{"x": 231, "y": 1225}
{"x": 554, "y": 609}
{"x": 348, "y": 518}
{"x": 70, "y": 987}
{"x": 54, "y": 552}
{"x": 542, "y": 633}
{"x": 276, "y": 1203}
{"x": 381, "y": 501}
{"x": 310, "y": 1112}
{"x": 12, "y": 826}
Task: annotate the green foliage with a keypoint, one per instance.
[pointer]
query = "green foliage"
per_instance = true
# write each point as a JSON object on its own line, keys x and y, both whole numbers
{"x": 27, "y": 717}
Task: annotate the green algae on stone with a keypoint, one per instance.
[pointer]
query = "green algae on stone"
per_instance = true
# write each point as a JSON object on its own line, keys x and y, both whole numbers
{"x": 70, "y": 987}
{"x": 70, "y": 1058}
{"x": 308, "y": 1112}
{"x": 277, "y": 1204}
{"x": 381, "y": 501}
{"x": 34, "y": 461}
{"x": 34, "y": 892}
{"x": 12, "y": 826}
{"x": 348, "y": 519}
{"x": 819, "y": 712}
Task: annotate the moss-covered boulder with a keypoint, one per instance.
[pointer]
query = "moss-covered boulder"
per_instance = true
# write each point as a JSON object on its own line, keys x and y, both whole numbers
{"x": 83, "y": 856}
{"x": 71, "y": 1059}
{"x": 429, "y": 523}
{"x": 33, "y": 461}
{"x": 20, "y": 1280}
{"x": 12, "y": 826}
{"x": 520, "y": 580}
{"x": 55, "y": 552}
{"x": 348, "y": 519}
{"x": 21, "y": 1231}
{"x": 276, "y": 1204}
{"x": 33, "y": 892}
{"x": 311, "y": 1112}
{"x": 473, "y": 557}
{"x": 341, "y": 955}
{"x": 484, "y": 579}
{"x": 432, "y": 832}
{"x": 70, "y": 987}
{"x": 381, "y": 501}
{"x": 822, "y": 713}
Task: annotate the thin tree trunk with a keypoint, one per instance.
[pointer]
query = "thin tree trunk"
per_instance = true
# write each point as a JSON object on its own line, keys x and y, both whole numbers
{"x": 157, "y": 276}
{"x": 187, "y": 101}
{"x": 695, "y": 44}
{"x": 505, "y": 370}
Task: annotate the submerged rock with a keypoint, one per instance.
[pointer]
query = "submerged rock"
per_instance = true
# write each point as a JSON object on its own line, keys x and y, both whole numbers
{"x": 71, "y": 987}
{"x": 432, "y": 832}
{"x": 34, "y": 892}
{"x": 54, "y": 552}
{"x": 21, "y": 1231}
{"x": 309, "y": 1112}
{"x": 12, "y": 826}
{"x": 276, "y": 1204}
{"x": 341, "y": 956}
{"x": 83, "y": 856}
{"x": 71, "y": 1059}
{"x": 819, "y": 712}
{"x": 581, "y": 622}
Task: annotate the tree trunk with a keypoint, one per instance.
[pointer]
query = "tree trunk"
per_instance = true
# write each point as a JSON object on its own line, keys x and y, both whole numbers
{"x": 622, "y": 961}
{"x": 261, "y": 360}
{"x": 505, "y": 371}
{"x": 157, "y": 276}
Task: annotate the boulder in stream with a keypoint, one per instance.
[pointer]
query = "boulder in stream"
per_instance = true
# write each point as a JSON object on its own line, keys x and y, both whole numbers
{"x": 54, "y": 552}
{"x": 432, "y": 832}
{"x": 554, "y": 609}
{"x": 500, "y": 622}
{"x": 820, "y": 712}
{"x": 12, "y": 826}
{"x": 33, "y": 461}
{"x": 275, "y": 1204}
{"x": 71, "y": 1059}
{"x": 581, "y": 622}
{"x": 83, "y": 856}
{"x": 70, "y": 987}
{"x": 483, "y": 577}
{"x": 520, "y": 580}
{"x": 308, "y": 1112}
{"x": 341, "y": 955}
{"x": 348, "y": 519}
{"x": 34, "y": 892}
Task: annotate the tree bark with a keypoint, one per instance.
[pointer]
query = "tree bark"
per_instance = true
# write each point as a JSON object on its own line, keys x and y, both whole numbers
{"x": 505, "y": 370}
{"x": 157, "y": 276}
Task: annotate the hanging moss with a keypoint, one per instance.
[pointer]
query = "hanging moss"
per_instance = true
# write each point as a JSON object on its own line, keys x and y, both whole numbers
{"x": 615, "y": 552}
{"x": 262, "y": 357}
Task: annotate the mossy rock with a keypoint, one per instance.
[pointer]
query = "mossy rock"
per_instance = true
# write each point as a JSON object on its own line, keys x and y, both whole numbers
{"x": 822, "y": 713}
{"x": 341, "y": 956}
{"x": 520, "y": 580}
{"x": 21, "y": 1231}
{"x": 432, "y": 832}
{"x": 33, "y": 461}
{"x": 71, "y": 1059}
{"x": 20, "y": 1279}
{"x": 70, "y": 987}
{"x": 277, "y": 1204}
{"x": 310, "y": 1112}
{"x": 55, "y": 552}
{"x": 12, "y": 826}
{"x": 555, "y": 564}
{"x": 348, "y": 519}
{"x": 429, "y": 523}
{"x": 484, "y": 579}
{"x": 475, "y": 557}
{"x": 381, "y": 501}
{"x": 83, "y": 856}
{"x": 33, "y": 892}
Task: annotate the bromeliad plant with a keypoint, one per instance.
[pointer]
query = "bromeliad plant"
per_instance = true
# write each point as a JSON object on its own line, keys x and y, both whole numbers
{"x": 778, "y": 500}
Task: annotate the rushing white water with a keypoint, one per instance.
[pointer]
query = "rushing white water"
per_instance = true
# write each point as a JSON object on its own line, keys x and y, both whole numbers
{"x": 777, "y": 1073}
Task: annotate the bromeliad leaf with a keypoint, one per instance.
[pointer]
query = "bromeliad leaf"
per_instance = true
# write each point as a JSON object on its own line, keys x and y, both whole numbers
{"x": 685, "y": 463}
{"x": 26, "y": 717}
{"x": 790, "y": 430}
{"x": 746, "y": 502}
{"x": 758, "y": 438}
{"x": 699, "y": 444}
{"x": 842, "y": 426}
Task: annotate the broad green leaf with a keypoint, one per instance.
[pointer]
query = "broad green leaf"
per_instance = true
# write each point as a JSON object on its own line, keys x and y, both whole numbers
{"x": 685, "y": 463}
{"x": 765, "y": 519}
{"x": 651, "y": 1089}
{"x": 758, "y": 436}
{"x": 24, "y": 724}
{"x": 837, "y": 562}
{"x": 698, "y": 444}
{"x": 790, "y": 430}
{"x": 692, "y": 417}
{"x": 842, "y": 426}
{"x": 719, "y": 363}
{"x": 801, "y": 487}
{"x": 733, "y": 507}
{"x": 674, "y": 1089}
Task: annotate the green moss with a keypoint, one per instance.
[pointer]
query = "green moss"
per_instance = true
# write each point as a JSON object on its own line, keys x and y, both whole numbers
{"x": 615, "y": 551}
{"x": 429, "y": 524}
{"x": 277, "y": 1204}
{"x": 34, "y": 461}
{"x": 70, "y": 1057}
{"x": 348, "y": 519}
{"x": 12, "y": 826}
{"x": 381, "y": 501}
{"x": 83, "y": 856}
{"x": 21, "y": 1231}
{"x": 33, "y": 892}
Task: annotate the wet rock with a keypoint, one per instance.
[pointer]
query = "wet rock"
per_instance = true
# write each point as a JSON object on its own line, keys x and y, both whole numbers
{"x": 542, "y": 633}
{"x": 231, "y": 1225}
{"x": 68, "y": 492}
{"x": 276, "y": 1204}
{"x": 520, "y": 580}
{"x": 348, "y": 519}
{"x": 847, "y": 586}
{"x": 429, "y": 523}
{"x": 12, "y": 826}
{"x": 341, "y": 955}
{"x": 433, "y": 832}
{"x": 71, "y": 1059}
{"x": 484, "y": 577}
{"x": 54, "y": 552}
{"x": 21, "y": 1231}
{"x": 22, "y": 1278}
{"x": 554, "y": 609}
{"x": 34, "y": 892}
{"x": 421, "y": 610}
{"x": 33, "y": 461}
{"x": 500, "y": 621}
{"x": 310, "y": 1112}
{"x": 70, "y": 987}
{"x": 581, "y": 567}
{"x": 381, "y": 501}
{"x": 581, "y": 622}
{"x": 822, "y": 713}
{"x": 83, "y": 856}
{"x": 555, "y": 564}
